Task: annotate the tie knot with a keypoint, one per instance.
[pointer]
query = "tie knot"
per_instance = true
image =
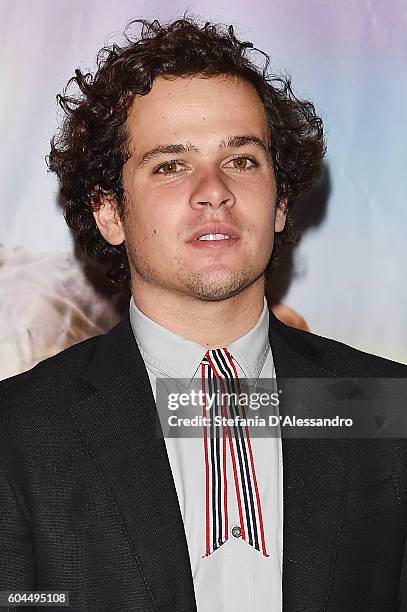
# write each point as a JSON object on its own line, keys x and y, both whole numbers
{"x": 216, "y": 354}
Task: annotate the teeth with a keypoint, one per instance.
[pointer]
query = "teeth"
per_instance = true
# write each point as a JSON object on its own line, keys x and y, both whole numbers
{"x": 214, "y": 237}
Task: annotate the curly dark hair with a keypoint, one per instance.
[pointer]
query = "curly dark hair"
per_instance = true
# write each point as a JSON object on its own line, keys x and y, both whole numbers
{"x": 90, "y": 149}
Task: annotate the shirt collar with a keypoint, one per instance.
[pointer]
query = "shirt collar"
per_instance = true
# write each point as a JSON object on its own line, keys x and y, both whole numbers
{"x": 179, "y": 358}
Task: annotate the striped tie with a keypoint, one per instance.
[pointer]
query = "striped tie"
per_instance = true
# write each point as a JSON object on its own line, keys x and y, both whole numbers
{"x": 218, "y": 371}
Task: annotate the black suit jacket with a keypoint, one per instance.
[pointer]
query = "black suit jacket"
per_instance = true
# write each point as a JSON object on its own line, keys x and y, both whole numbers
{"x": 88, "y": 503}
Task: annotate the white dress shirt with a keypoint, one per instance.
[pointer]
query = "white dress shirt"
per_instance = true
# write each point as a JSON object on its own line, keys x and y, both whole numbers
{"x": 236, "y": 577}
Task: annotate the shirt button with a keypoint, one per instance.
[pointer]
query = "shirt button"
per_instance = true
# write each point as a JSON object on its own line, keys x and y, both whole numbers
{"x": 236, "y": 531}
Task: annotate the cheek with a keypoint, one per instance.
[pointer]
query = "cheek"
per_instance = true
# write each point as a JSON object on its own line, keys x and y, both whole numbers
{"x": 151, "y": 230}
{"x": 265, "y": 226}
{"x": 155, "y": 236}
{"x": 259, "y": 214}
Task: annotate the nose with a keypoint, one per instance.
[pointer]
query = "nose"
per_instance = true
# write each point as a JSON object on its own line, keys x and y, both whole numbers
{"x": 211, "y": 190}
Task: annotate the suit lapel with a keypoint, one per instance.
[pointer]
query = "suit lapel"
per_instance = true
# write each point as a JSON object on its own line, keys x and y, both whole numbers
{"x": 120, "y": 425}
{"x": 315, "y": 477}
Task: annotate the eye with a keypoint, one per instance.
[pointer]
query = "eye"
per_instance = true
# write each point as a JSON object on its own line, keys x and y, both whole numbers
{"x": 168, "y": 168}
{"x": 241, "y": 163}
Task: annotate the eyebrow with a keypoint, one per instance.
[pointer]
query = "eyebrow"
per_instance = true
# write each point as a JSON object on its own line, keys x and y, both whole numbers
{"x": 232, "y": 142}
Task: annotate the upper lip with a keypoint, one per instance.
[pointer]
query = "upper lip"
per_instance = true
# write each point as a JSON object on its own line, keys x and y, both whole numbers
{"x": 214, "y": 228}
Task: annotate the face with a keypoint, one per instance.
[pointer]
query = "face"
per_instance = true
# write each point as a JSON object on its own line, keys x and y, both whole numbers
{"x": 199, "y": 165}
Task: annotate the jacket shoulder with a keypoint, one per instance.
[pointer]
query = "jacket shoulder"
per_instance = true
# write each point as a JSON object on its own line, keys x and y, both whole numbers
{"x": 374, "y": 364}
{"x": 338, "y": 358}
{"x": 48, "y": 379}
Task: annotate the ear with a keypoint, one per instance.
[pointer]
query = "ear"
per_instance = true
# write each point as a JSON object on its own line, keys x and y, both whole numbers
{"x": 108, "y": 220}
{"x": 281, "y": 215}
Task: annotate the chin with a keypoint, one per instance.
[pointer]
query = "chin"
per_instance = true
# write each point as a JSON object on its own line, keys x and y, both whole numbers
{"x": 222, "y": 289}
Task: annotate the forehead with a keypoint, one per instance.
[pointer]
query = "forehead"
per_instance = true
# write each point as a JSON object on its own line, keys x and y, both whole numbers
{"x": 195, "y": 106}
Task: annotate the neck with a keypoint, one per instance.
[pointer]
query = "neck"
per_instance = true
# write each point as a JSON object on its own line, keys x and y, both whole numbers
{"x": 210, "y": 324}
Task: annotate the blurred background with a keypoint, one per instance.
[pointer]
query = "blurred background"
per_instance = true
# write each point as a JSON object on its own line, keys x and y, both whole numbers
{"x": 346, "y": 278}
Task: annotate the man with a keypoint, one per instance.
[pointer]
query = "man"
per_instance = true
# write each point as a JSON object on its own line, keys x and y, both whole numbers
{"x": 179, "y": 162}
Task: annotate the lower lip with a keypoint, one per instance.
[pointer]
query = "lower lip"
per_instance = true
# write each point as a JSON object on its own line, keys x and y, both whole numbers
{"x": 214, "y": 244}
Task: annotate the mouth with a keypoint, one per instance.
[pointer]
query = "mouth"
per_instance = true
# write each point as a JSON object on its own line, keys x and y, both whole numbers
{"x": 214, "y": 236}
{"x": 214, "y": 241}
